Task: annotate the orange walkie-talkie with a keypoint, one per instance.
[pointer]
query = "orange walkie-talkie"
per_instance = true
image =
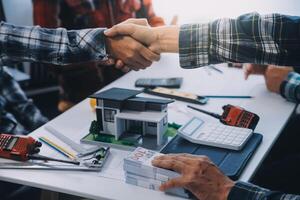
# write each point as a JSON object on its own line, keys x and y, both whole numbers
{"x": 23, "y": 148}
{"x": 234, "y": 116}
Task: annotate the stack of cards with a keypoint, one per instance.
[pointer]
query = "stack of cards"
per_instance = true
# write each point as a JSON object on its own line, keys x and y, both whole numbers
{"x": 139, "y": 171}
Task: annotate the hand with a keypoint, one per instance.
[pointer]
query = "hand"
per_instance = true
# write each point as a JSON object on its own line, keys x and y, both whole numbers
{"x": 131, "y": 52}
{"x": 254, "y": 69}
{"x": 121, "y": 66}
{"x": 118, "y": 64}
{"x": 158, "y": 39}
{"x": 275, "y": 75}
{"x": 198, "y": 175}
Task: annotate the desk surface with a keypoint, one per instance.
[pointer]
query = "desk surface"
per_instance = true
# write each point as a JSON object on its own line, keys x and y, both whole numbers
{"x": 273, "y": 110}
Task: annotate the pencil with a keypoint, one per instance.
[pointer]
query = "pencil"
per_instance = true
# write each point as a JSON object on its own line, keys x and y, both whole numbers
{"x": 58, "y": 148}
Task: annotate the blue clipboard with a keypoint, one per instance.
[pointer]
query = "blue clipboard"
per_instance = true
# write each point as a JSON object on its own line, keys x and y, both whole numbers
{"x": 230, "y": 162}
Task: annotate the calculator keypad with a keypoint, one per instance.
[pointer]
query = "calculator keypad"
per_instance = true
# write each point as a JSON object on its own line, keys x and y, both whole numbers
{"x": 217, "y": 134}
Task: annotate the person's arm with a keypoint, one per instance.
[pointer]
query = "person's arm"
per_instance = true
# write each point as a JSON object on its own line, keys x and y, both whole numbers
{"x": 56, "y": 46}
{"x": 243, "y": 190}
{"x": 290, "y": 87}
{"x": 251, "y": 38}
{"x": 16, "y": 102}
{"x": 279, "y": 79}
{"x": 206, "y": 181}
{"x": 60, "y": 47}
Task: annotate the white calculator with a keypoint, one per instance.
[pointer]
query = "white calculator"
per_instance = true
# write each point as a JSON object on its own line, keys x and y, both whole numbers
{"x": 215, "y": 134}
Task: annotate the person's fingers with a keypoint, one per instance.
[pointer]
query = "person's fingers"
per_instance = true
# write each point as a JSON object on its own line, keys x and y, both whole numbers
{"x": 187, "y": 159}
{"x": 247, "y": 70}
{"x": 139, "y": 21}
{"x": 119, "y": 64}
{"x": 137, "y": 63}
{"x": 140, "y": 56}
{"x": 155, "y": 48}
{"x": 173, "y": 183}
{"x": 132, "y": 64}
{"x": 149, "y": 55}
{"x": 143, "y": 63}
{"x": 125, "y": 69}
{"x": 120, "y": 29}
{"x": 109, "y": 61}
{"x": 169, "y": 163}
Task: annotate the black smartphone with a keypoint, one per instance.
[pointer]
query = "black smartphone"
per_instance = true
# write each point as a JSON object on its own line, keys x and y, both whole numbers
{"x": 174, "y": 82}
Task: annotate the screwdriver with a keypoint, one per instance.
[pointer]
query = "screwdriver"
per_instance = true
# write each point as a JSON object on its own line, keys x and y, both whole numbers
{"x": 45, "y": 158}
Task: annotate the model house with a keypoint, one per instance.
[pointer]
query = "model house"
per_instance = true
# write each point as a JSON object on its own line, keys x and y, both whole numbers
{"x": 120, "y": 112}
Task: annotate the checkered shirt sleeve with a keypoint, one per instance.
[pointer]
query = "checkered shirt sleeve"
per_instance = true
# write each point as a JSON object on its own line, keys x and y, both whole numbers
{"x": 290, "y": 88}
{"x": 249, "y": 191}
{"x": 251, "y": 38}
{"x": 56, "y": 46}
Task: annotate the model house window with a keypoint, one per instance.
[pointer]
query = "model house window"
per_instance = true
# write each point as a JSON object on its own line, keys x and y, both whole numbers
{"x": 109, "y": 115}
{"x": 100, "y": 102}
{"x": 152, "y": 124}
{"x": 165, "y": 120}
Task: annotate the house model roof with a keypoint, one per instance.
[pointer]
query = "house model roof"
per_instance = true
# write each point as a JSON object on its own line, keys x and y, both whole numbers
{"x": 117, "y": 94}
{"x": 151, "y": 100}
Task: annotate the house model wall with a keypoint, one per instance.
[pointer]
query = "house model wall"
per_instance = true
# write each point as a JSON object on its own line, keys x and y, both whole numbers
{"x": 120, "y": 111}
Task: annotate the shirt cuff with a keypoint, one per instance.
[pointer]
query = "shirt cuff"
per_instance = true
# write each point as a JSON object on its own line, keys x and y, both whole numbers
{"x": 82, "y": 46}
{"x": 243, "y": 190}
{"x": 99, "y": 44}
{"x": 290, "y": 88}
{"x": 194, "y": 45}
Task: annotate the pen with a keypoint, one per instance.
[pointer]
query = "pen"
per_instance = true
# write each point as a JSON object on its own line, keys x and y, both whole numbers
{"x": 216, "y": 69}
{"x": 59, "y": 149}
{"x": 229, "y": 96}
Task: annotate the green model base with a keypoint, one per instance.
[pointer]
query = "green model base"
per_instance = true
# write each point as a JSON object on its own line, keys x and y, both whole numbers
{"x": 146, "y": 141}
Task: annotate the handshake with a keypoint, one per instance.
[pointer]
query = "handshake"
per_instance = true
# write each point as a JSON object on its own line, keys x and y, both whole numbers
{"x": 135, "y": 45}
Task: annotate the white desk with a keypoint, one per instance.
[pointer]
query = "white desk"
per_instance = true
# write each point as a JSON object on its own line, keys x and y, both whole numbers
{"x": 272, "y": 109}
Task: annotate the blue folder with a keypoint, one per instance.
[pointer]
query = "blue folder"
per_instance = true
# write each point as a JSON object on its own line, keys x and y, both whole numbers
{"x": 230, "y": 162}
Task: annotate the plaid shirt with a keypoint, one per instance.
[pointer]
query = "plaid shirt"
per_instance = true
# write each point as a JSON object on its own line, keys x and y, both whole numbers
{"x": 243, "y": 190}
{"x": 55, "y": 46}
{"x": 251, "y": 38}
{"x": 290, "y": 88}
{"x": 18, "y": 115}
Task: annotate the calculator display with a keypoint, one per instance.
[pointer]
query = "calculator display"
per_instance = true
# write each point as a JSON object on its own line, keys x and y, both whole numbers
{"x": 192, "y": 126}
